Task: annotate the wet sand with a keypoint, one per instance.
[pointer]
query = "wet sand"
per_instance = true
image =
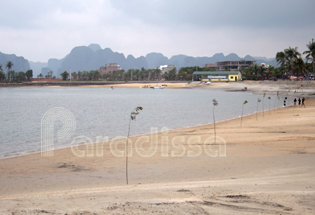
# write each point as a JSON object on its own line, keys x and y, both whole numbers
{"x": 268, "y": 167}
{"x": 293, "y": 88}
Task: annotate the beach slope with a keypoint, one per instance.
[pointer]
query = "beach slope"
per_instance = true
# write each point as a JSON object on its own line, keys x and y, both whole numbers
{"x": 268, "y": 167}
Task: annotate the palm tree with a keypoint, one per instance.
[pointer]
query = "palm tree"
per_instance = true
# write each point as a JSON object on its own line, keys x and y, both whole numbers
{"x": 9, "y": 66}
{"x": 310, "y": 53}
{"x": 244, "y": 103}
{"x": 292, "y": 53}
{"x": 263, "y": 104}
{"x": 133, "y": 115}
{"x": 299, "y": 66}
{"x": 278, "y": 96}
{"x": 157, "y": 73}
{"x": 255, "y": 70}
{"x": 292, "y": 59}
{"x": 165, "y": 75}
{"x": 269, "y": 103}
{"x": 271, "y": 70}
{"x": 2, "y": 75}
{"x": 245, "y": 72}
{"x": 261, "y": 71}
{"x": 79, "y": 75}
{"x": 259, "y": 100}
{"x": 281, "y": 57}
{"x": 215, "y": 103}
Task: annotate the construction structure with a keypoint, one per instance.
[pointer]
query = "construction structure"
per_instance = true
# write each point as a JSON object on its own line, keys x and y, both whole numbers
{"x": 230, "y": 65}
{"x": 109, "y": 68}
{"x": 166, "y": 68}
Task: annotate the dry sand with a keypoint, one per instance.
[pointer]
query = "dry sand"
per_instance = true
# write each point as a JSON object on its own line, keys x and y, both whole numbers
{"x": 269, "y": 168}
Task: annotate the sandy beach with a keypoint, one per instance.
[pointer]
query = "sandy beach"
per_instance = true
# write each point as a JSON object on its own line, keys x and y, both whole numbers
{"x": 265, "y": 166}
{"x": 293, "y": 88}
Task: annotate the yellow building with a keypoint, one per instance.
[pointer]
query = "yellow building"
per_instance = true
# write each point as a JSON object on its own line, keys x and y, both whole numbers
{"x": 223, "y": 76}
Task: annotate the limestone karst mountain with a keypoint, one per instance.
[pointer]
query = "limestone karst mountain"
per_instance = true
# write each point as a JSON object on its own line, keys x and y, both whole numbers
{"x": 92, "y": 57}
{"x": 19, "y": 63}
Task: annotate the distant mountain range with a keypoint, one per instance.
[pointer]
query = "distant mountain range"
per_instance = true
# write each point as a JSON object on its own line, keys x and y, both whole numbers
{"x": 92, "y": 57}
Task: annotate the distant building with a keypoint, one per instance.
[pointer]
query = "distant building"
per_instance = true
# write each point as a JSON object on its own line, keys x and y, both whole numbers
{"x": 221, "y": 76}
{"x": 109, "y": 68}
{"x": 166, "y": 68}
{"x": 212, "y": 65}
{"x": 230, "y": 65}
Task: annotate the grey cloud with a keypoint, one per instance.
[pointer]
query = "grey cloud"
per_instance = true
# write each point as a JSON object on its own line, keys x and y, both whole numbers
{"x": 242, "y": 13}
{"x": 172, "y": 13}
{"x": 27, "y": 14}
{"x": 199, "y": 27}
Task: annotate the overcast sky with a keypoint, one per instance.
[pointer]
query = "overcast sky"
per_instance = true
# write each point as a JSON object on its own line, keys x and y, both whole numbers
{"x": 43, "y": 29}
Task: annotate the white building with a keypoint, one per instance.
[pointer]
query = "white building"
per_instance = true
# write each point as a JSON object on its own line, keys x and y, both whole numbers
{"x": 166, "y": 68}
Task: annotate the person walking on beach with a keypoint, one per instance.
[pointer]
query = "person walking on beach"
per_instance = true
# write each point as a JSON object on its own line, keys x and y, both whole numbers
{"x": 303, "y": 100}
{"x": 285, "y": 102}
{"x": 294, "y": 101}
{"x": 299, "y": 101}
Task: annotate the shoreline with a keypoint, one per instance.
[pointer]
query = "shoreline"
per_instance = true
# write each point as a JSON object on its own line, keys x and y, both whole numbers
{"x": 194, "y": 126}
{"x": 292, "y": 88}
{"x": 268, "y": 168}
{"x": 146, "y": 134}
{"x": 75, "y": 84}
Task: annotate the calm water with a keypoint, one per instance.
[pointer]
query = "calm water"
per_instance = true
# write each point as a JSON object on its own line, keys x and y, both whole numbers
{"x": 105, "y": 112}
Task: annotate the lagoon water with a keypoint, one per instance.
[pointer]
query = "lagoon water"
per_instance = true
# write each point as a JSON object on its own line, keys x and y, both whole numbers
{"x": 105, "y": 112}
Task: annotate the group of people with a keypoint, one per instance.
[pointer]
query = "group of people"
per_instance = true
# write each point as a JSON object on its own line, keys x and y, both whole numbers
{"x": 299, "y": 101}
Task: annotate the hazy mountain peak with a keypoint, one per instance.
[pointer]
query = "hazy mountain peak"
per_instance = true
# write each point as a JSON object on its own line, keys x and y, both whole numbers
{"x": 95, "y": 47}
{"x": 218, "y": 55}
{"x": 108, "y": 50}
{"x": 232, "y": 56}
{"x": 264, "y": 58}
{"x": 130, "y": 57}
{"x": 156, "y": 54}
{"x": 80, "y": 48}
{"x": 248, "y": 57}
{"x": 155, "y": 60}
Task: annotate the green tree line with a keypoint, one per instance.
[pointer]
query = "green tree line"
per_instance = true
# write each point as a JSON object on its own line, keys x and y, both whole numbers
{"x": 11, "y": 75}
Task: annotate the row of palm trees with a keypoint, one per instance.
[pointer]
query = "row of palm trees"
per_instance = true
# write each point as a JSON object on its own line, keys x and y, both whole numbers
{"x": 130, "y": 74}
{"x": 258, "y": 72}
{"x": 292, "y": 61}
{"x": 185, "y": 73}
